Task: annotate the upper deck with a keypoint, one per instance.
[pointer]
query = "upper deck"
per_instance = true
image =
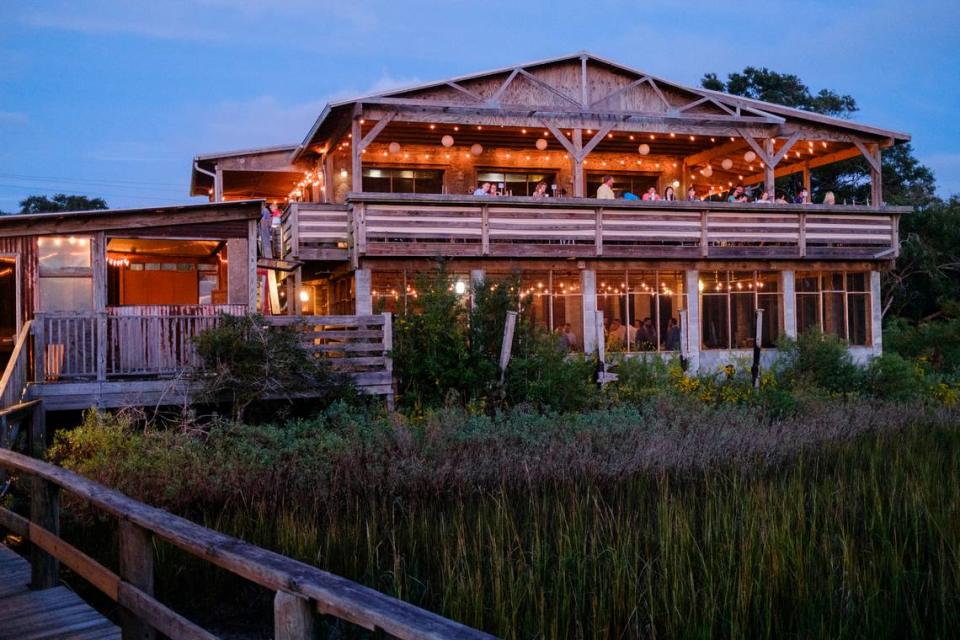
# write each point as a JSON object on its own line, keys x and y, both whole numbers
{"x": 423, "y": 225}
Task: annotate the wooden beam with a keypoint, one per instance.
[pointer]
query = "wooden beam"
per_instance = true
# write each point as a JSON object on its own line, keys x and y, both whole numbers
{"x": 495, "y": 98}
{"x": 579, "y": 186}
{"x": 356, "y": 168}
{"x": 618, "y": 92}
{"x": 548, "y": 87}
{"x": 813, "y": 163}
{"x": 769, "y": 178}
{"x": 462, "y": 89}
{"x": 595, "y": 140}
{"x": 562, "y": 139}
{"x": 760, "y": 151}
{"x": 136, "y": 568}
{"x": 659, "y": 93}
{"x": 868, "y": 152}
{"x": 792, "y": 140}
{"x": 584, "y": 97}
{"x": 720, "y": 150}
{"x": 375, "y": 131}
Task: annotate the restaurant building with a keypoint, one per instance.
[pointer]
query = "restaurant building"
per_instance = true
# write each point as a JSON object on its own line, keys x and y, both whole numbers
{"x": 382, "y": 186}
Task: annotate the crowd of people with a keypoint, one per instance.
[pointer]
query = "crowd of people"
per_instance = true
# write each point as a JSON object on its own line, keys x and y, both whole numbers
{"x": 739, "y": 193}
{"x": 641, "y": 335}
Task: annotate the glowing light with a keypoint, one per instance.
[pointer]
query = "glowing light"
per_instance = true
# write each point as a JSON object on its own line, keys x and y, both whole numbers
{"x": 460, "y": 287}
{"x": 304, "y": 295}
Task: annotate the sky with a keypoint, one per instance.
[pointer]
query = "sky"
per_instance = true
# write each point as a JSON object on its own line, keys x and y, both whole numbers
{"x": 114, "y": 98}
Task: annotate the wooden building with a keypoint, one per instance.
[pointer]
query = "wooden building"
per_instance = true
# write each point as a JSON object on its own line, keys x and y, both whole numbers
{"x": 382, "y": 185}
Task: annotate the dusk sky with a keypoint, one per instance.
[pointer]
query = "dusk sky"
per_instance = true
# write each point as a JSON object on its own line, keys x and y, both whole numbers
{"x": 113, "y": 99}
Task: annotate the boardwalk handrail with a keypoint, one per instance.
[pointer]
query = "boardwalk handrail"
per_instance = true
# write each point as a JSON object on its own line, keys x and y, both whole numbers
{"x": 302, "y": 590}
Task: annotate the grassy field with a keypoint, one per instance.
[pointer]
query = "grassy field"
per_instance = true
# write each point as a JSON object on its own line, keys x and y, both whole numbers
{"x": 858, "y": 537}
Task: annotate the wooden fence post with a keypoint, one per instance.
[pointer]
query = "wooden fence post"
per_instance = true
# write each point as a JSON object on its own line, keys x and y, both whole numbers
{"x": 293, "y": 618}
{"x": 757, "y": 343}
{"x": 39, "y": 348}
{"x": 387, "y": 357}
{"x": 44, "y": 512}
{"x": 507, "y": 346}
{"x": 136, "y": 567}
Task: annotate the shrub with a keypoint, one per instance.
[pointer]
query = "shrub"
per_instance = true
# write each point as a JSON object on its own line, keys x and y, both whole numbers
{"x": 246, "y": 361}
{"x": 892, "y": 377}
{"x": 641, "y": 378}
{"x": 818, "y": 360}
{"x": 937, "y": 344}
{"x": 544, "y": 374}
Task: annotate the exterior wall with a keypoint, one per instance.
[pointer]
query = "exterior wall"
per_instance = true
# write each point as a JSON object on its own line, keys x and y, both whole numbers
{"x": 460, "y": 166}
{"x": 26, "y": 249}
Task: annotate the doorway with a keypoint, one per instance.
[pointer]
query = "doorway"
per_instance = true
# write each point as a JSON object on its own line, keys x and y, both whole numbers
{"x": 9, "y": 306}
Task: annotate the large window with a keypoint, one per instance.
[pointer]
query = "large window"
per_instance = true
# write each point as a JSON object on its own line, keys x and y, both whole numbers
{"x": 834, "y": 302}
{"x": 728, "y": 304}
{"x": 516, "y": 184}
{"x": 66, "y": 277}
{"x": 389, "y": 180}
{"x": 641, "y": 309}
{"x": 634, "y": 182}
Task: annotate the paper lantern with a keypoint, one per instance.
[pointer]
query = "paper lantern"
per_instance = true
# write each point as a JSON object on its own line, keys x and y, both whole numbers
{"x": 727, "y": 164}
{"x": 749, "y": 156}
{"x": 394, "y": 147}
{"x": 707, "y": 171}
{"x": 676, "y": 184}
{"x": 644, "y": 149}
{"x": 476, "y": 149}
{"x": 541, "y": 144}
{"x": 447, "y": 141}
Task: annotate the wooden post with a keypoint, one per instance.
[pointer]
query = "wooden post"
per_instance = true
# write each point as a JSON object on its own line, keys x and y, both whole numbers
{"x": 588, "y": 287}
{"x": 507, "y": 345}
{"x": 757, "y": 342}
{"x": 485, "y": 229}
{"x": 806, "y": 179}
{"x": 876, "y": 314}
{"x": 356, "y": 168}
{"x": 362, "y": 292}
{"x": 803, "y": 235}
{"x": 789, "y": 304}
{"x": 218, "y": 184}
{"x": 769, "y": 177}
{"x": 45, "y": 513}
{"x": 39, "y": 347}
{"x": 388, "y": 355}
{"x": 876, "y": 175}
{"x": 598, "y": 240}
{"x": 579, "y": 183}
{"x": 704, "y": 234}
{"x": 98, "y": 248}
{"x": 692, "y": 278}
{"x": 136, "y": 567}
{"x": 684, "y": 341}
{"x": 478, "y": 278}
{"x": 293, "y": 618}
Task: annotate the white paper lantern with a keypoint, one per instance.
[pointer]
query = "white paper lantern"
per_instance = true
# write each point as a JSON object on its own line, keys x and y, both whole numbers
{"x": 476, "y": 149}
{"x": 676, "y": 184}
{"x": 749, "y": 156}
{"x": 727, "y": 164}
{"x": 541, "y": 144}
{"x": 707, "y": 171}
{"x": 447, "y": 141}
{"x": 644, "y": 149}
{"x": 394, "y": 147}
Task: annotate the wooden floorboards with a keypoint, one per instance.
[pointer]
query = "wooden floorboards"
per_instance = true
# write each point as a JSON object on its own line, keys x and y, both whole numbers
{"x": 51, "y": 614}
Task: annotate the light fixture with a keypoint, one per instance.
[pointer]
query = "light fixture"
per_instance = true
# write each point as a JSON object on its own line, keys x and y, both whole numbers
{"x": 447, "y": 141}
{"x": 343, "y": 173}
{"x": 460, "y": 287}
{"x": 476, "y": 149}
{"x": 394, "y": 147}
{"x": 749, "y": 156}
{"x": 304, "y": 295}
{"x": 727, "y": 164}
{"x": 643, "y": 149}
{"x": 707, "y": 171}
{"x": 676, "y": 184}
{"x": 541, "y": 143}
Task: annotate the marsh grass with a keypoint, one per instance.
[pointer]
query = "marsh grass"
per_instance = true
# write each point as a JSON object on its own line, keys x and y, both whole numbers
{"x": 860, "y": 538}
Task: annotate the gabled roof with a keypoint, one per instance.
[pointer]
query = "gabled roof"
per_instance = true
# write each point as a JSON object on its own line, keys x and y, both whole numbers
{"x": 731, "y": 107}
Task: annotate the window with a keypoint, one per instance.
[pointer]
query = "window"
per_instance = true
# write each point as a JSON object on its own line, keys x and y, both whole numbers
{"x": 834, "y": 302}
{"x": 383, "y": 180}
{"x": 633, "y": 182}
{"x": 66, "y": 276}
{"x": 728, "y": 304}
{"x": 516, "y": 184}
{"x": 641, "y": 309}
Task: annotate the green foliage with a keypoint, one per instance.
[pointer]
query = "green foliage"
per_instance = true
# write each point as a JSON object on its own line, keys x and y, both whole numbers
{"x": 544, "y": 374}
{"x": 818, "y": 360}
{"x": 892, "y": 377}
{"x": 934, "y": 344}
{"x": 781, "y": 88}
{"x": 640, "y": 379}
{"x": 246, "y": 361}
{"x": 61, "y": 202}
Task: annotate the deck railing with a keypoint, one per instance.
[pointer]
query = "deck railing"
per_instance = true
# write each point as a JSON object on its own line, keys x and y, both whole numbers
{"x": 303, "y": 592}
{"x": 431, "y": 225}
{"x": 14, "y": 378}
{"x": 311, "y": 231}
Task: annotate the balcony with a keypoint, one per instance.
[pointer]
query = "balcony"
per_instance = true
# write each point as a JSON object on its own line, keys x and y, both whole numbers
{"x": 415, "y": 225}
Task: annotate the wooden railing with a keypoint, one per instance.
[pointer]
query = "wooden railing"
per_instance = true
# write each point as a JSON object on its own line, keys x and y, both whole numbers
{"x": 359, "y": 346}
{"x": 430, "y": 225}
{"x": 17, "y": 372}
{"x": 311, "y": 231}
{"x": 302, "y": 592}
{"x": 153, "y": 340}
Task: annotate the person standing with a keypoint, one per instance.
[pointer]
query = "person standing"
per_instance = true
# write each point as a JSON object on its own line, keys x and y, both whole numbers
{"x": 605, "y": 190}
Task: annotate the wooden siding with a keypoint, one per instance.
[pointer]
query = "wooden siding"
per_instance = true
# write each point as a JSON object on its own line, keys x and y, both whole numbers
{"x": 26, "y": 249}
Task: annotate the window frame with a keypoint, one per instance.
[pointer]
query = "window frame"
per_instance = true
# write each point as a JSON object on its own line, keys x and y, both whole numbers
{"x": 755, "y": 294}
{"x": 847, "y": 294}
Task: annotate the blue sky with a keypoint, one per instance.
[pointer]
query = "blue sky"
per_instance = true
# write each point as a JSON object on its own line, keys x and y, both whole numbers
{"x": 114, "y": 98}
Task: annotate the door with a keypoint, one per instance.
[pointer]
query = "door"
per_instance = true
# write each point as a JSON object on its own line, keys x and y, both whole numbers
{"x": 9, "y": 306}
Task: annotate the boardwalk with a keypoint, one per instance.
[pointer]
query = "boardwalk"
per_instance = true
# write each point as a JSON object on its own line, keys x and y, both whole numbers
{"x": 56, "y": 613}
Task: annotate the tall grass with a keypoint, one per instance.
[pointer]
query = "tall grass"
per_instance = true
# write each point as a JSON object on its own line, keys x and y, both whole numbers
{"x": 858, "y": 538}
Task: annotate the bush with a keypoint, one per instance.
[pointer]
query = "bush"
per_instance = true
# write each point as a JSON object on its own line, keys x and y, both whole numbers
{"x": 246, "y": 361}
{"x": 545, "y": 375}
{"x": 936, "y": 344}
{"x": 892, "y": 377}
{"x": 642, "y": 378}
{"x": 818, "y": 360}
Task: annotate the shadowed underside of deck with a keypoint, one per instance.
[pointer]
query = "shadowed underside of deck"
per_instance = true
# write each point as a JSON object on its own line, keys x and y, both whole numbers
{"x": 56, "y": 613}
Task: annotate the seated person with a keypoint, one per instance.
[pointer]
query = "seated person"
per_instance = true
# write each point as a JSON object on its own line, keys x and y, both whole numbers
{"x": 651, "y": 194}
{"x": 737, "y": 195}
{"x": 616, "y": 336}
{"x": 803, "y": 197}
{"x": 692, "y": 194}
{"x": 829, "y": 198}
{"x": 482, "y": 190}
{"x": 540, "y": 191}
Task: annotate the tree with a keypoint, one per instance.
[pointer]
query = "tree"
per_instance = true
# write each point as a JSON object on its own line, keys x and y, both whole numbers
{"x": 61, "y": 202}
{"x": 905, "y": 180}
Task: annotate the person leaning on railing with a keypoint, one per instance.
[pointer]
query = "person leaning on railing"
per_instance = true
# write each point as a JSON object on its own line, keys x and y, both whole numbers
{"x": 605, "y": 190}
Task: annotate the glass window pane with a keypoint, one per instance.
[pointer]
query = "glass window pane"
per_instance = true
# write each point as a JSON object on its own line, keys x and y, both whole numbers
{"x": 858, "y": 309}
{"x": 808, "y": 282}
{"x": 379, "y": 183}
{"x": 833, "y": 281}
{"x": 489, "y": 176}
{"x": 742, "y": 319}
{"x": 857, "y": 282}
{"x": 834, "y": 320}
{"x": 66, "y": 294}
{"x": 568, "y": 320}
{"x": 714, "y": 322}
{"x": 403, "y": 183}
{"x": 62, "y": 252}
{"x": 772, "y": 319}
{"x": 808, "y": 312}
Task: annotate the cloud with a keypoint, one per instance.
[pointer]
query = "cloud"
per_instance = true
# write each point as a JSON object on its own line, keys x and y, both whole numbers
{"x": 151, "y": 20}
{"x": 13, "y": 117}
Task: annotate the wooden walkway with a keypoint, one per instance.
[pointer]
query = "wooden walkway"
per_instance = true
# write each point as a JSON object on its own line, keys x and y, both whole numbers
{"x": 54, "y": 614}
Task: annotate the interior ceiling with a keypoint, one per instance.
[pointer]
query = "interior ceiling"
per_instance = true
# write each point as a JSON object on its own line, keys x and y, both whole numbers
{"x": 157, "y": 247}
